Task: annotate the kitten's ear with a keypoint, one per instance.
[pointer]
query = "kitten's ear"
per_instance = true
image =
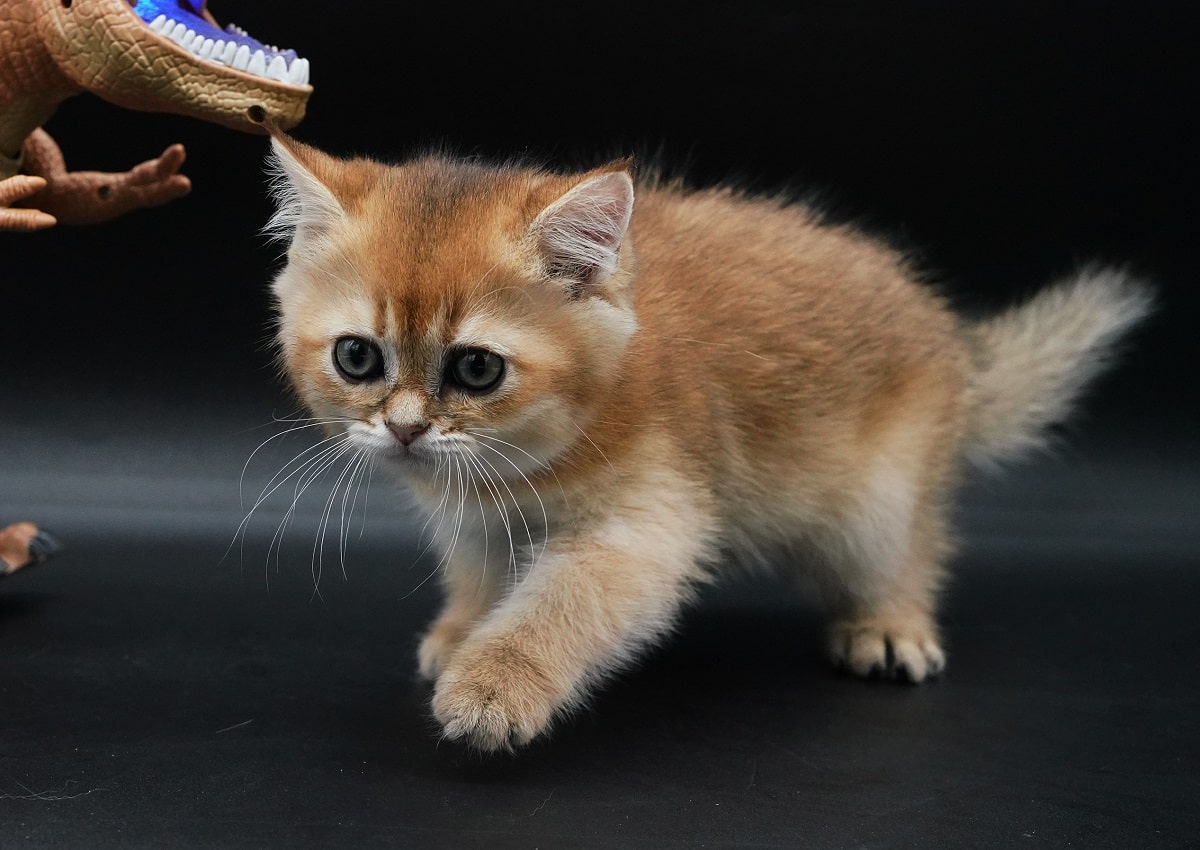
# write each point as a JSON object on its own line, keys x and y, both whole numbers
{"x": 579, "y": 236}
{"x": 304, "y": 204}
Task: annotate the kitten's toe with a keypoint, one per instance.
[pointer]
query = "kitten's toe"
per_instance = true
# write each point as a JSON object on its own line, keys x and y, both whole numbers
{"x": 916, "y": 660}
{"x": 492, "y": 702}
{"x": 903, "y": 652}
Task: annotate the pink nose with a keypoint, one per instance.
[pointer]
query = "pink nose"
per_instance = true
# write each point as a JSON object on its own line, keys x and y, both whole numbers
{"x": 407, "y": 433}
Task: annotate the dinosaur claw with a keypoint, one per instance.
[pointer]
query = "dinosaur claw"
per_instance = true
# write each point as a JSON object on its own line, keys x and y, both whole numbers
{"x": 42, "y": 546}
{"x": 22, "y": 545}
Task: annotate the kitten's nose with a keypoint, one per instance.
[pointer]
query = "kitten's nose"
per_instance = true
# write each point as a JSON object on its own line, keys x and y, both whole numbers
{"x": 407, "y": 433}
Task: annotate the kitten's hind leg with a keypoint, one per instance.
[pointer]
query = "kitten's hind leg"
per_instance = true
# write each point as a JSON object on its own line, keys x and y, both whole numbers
{"x": 898, "y": 642}
{"x": 884, "y": 590}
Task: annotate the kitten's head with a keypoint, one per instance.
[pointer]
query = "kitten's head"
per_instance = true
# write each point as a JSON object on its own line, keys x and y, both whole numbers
{"x": 437, "y": 308}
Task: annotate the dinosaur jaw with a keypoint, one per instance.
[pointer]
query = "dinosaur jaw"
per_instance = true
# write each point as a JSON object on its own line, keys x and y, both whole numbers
{"x": 109, "y": 48}
{"x": 189, "y": 24}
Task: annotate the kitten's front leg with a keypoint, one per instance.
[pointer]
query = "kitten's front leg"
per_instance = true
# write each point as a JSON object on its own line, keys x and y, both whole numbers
{"x": 584, "y": 608}
{"x": 471, "y": 586}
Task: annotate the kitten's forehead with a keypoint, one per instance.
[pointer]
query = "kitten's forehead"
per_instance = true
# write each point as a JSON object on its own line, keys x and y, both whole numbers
{"x": 440, "y": 241}
{"x": 420, "y": 249}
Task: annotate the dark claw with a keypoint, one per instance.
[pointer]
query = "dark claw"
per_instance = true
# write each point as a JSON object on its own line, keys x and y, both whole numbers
{"x": 42, "y": 546}
{"x": 889, "y": 655}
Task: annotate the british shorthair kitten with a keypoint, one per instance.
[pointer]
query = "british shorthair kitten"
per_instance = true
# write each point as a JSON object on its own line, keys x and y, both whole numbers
{"x": 603, "y": 393}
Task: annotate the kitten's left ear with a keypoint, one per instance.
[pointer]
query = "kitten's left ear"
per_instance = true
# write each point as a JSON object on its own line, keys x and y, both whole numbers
{"x": 579, "y": 236}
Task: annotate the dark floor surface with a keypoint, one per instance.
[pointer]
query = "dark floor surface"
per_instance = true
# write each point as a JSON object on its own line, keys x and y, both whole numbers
{"x": 159, "y": 690}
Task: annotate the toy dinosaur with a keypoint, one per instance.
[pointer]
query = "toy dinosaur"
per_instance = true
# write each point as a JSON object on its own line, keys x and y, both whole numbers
{"x": 148, "y": 55}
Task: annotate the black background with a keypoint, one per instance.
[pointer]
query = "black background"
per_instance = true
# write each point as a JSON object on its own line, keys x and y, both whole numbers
{"x": 1005, "y": 142}
{"x": 165, "y": 696}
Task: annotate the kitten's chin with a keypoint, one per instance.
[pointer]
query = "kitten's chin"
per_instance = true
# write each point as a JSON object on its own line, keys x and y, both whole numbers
{"x": 408, "y": 459}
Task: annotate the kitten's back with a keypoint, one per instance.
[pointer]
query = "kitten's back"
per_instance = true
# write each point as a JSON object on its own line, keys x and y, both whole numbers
{"x": 778, "y": 347}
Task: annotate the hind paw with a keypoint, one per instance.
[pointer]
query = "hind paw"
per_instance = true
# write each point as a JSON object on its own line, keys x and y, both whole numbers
{"x": 900, "y": 651}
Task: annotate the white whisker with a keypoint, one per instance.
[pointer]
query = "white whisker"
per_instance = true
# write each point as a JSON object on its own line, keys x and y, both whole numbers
{"x": 318, "y": 559}
{"x": 532, "y": 489}
{"x": 439, "y": 511}
{"x": 498, "y": 497}
{"x": 457, "y": 525}
{"x": 310, "y": 423}
{"x": 483, "y": 522}
{"x": 314, "y": 472}
{"x": 366, "y": 491}
{"x": 362, "y": 464}
{"x": 310, "y": 472}
{"x": 299, "y": 465}
{"x": 539, "y": 465}
{"x": 594, "y": 446}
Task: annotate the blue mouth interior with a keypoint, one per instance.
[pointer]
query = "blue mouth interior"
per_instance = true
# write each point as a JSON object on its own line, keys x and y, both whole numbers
{"x": 188, "y": 12}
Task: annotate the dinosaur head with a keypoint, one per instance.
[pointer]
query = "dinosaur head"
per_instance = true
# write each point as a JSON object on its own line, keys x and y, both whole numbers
{"x": 172, "y": 56}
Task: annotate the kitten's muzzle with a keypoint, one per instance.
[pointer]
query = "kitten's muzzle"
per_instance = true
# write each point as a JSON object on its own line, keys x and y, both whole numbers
{"x": 407, "y": 433}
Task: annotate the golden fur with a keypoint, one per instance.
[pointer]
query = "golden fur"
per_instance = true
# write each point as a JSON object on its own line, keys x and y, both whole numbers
{"x": 691, "y": 380}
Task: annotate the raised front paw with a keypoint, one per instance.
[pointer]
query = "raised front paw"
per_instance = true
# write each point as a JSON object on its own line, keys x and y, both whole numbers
{"x": 493, "y": 699}
{"x": 900, "y": 649}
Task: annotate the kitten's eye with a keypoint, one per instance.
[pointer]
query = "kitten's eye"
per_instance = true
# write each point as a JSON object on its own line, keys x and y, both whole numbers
{"x": 476, "y": 369}
{"x": 357, "y": 359}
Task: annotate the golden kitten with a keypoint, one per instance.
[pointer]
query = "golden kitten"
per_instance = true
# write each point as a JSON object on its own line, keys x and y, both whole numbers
{"x": 600, "y": 403}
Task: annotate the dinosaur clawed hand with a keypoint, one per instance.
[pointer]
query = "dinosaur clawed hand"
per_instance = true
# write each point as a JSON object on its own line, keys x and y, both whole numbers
{"x": 22, "y": 545}
{"x": 88, "y": 197}
{"x": 18, "y": 188}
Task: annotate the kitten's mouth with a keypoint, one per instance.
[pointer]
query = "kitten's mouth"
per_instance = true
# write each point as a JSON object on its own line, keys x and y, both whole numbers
{"x": 188, "y": 24}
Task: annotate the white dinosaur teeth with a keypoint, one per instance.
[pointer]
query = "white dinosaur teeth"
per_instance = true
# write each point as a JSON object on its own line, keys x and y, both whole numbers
{"x": 258, "y": 64}
{"x": 298, "y": 73}
{"x": 278, "y": 69}
{"x": 239, "y": 56}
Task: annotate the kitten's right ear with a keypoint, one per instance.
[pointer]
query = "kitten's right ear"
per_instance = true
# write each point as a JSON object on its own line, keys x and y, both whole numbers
{"x": 305, "y": 207}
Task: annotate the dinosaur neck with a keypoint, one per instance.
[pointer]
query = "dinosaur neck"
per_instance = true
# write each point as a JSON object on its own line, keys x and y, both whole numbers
{"x": 31, "y": 84}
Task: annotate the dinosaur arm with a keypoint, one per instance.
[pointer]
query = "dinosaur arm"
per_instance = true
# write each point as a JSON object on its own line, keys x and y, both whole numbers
{"x": 90, "y": 197}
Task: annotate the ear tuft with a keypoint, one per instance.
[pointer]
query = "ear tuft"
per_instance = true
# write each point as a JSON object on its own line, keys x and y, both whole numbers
{"x": 304, "y": 206}
{"x": 580, "y": 234}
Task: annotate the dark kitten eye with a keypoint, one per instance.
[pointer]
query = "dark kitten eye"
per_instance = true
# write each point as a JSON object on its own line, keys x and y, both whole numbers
{"x": 476, "y": 369}
{"x": 357, "y": 359}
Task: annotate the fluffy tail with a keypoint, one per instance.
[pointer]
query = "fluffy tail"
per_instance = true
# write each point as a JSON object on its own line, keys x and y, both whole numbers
{"x": 1033, "y": 361}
